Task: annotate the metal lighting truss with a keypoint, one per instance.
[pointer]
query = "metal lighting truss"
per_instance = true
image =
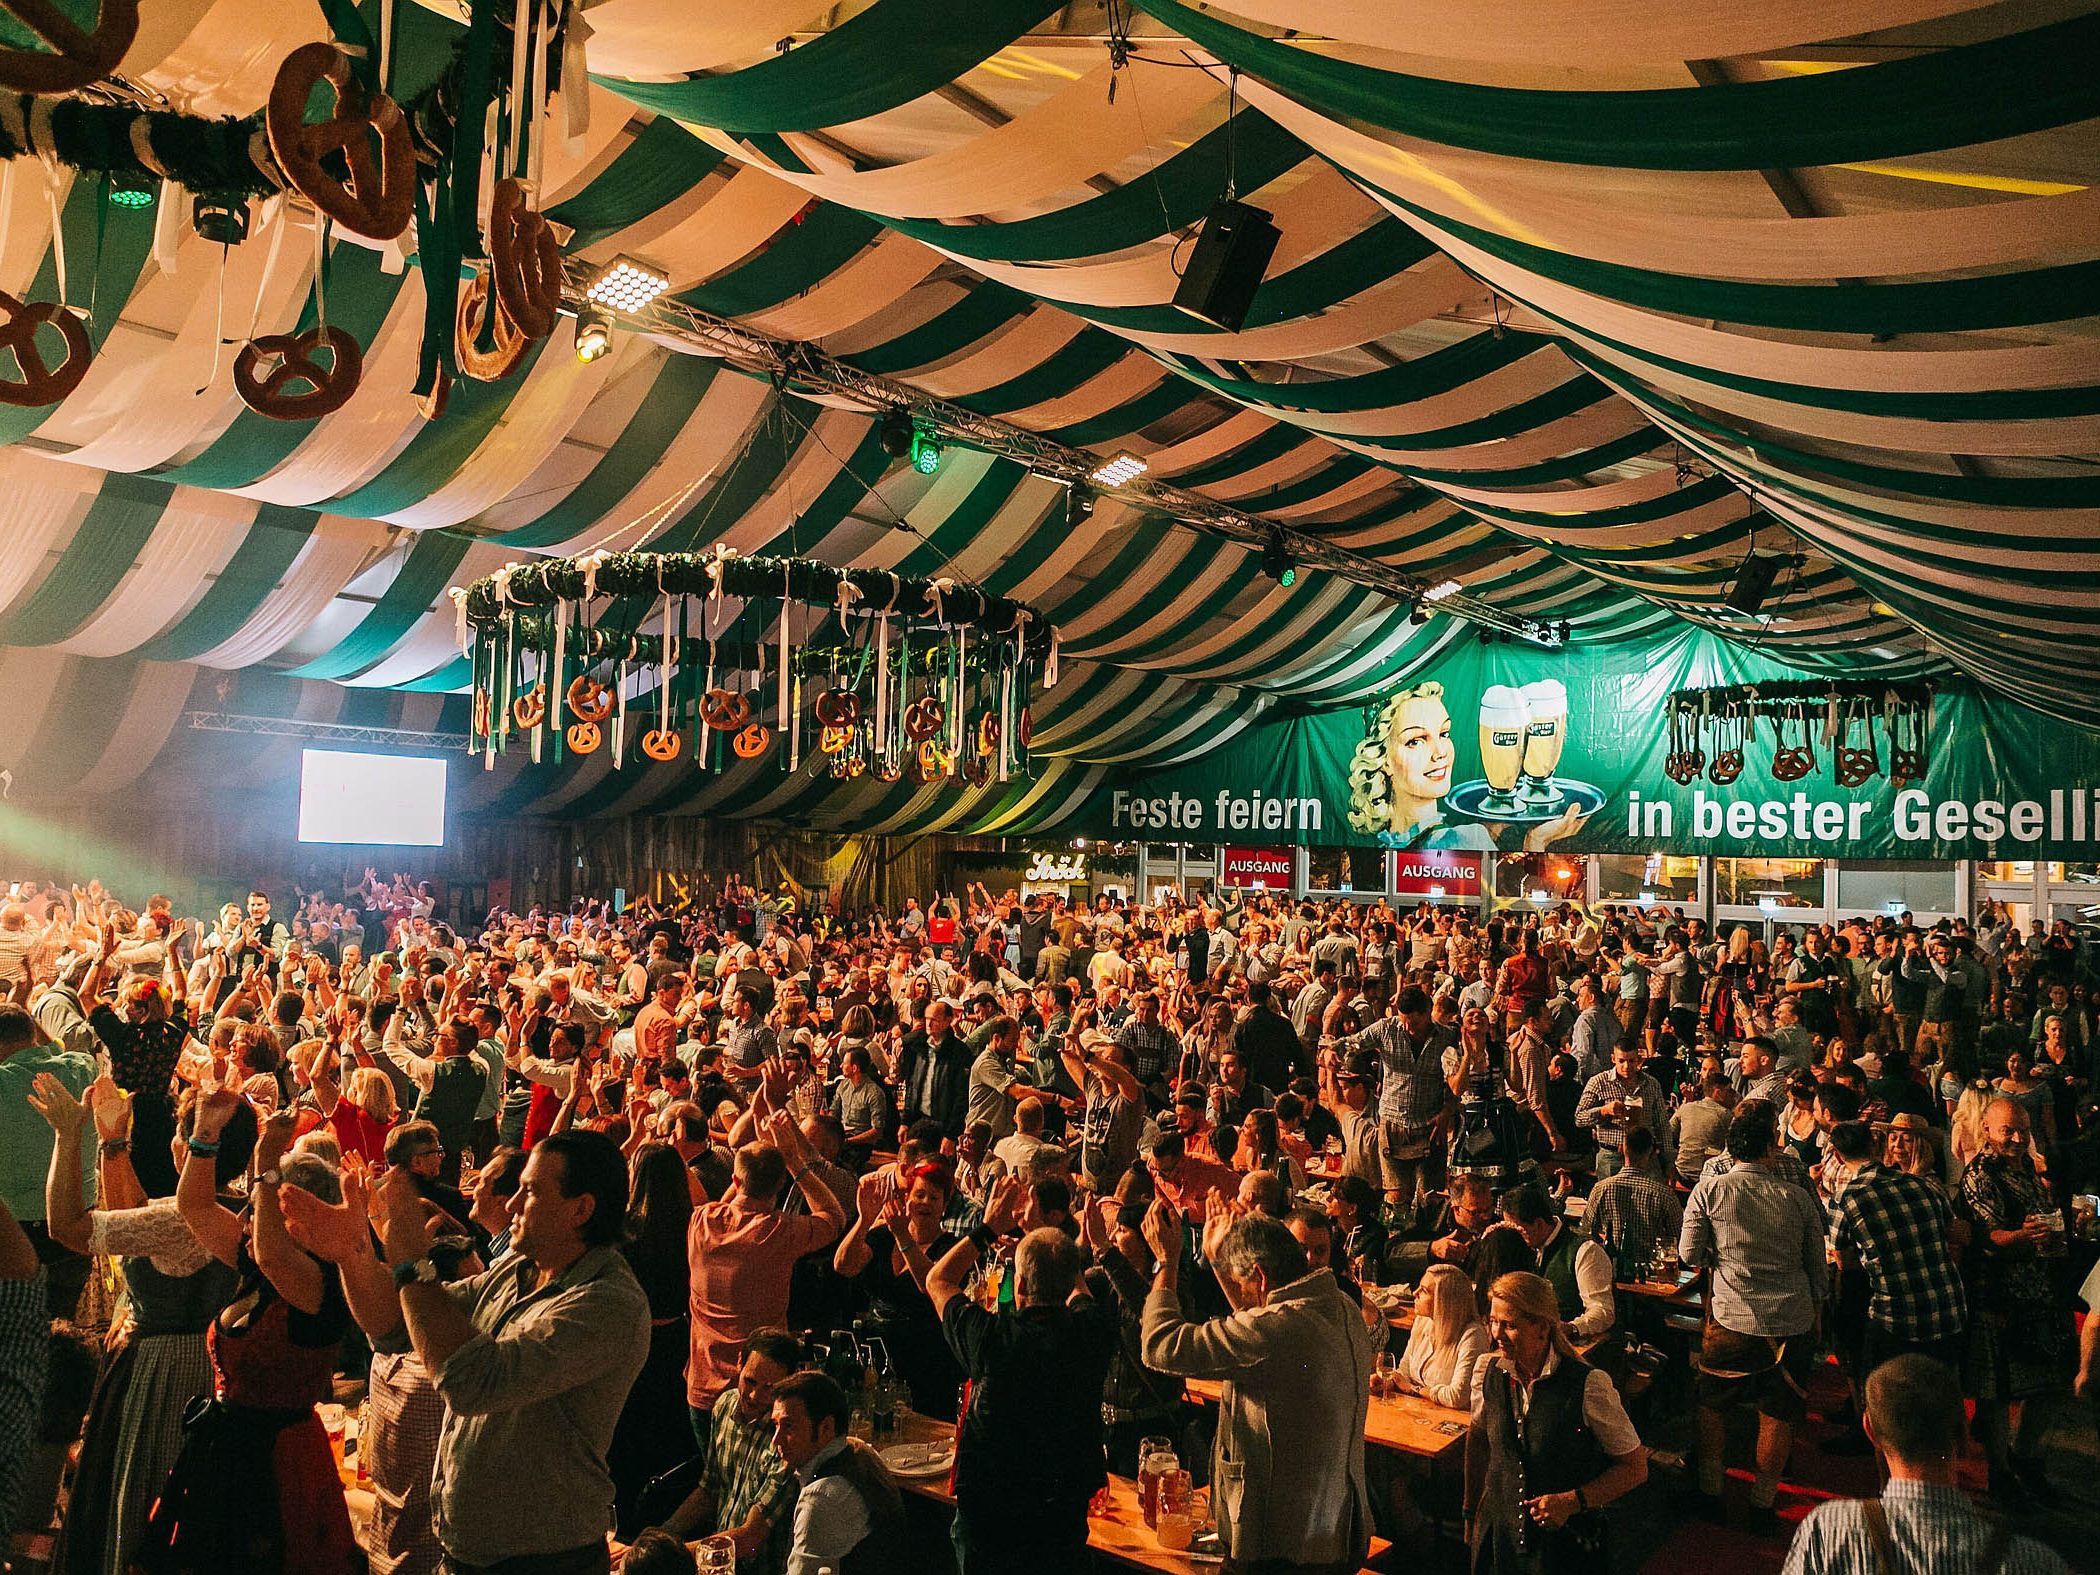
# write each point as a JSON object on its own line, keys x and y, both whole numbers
{"x": 322, "y": 732}
{"x": 790, "y": 362}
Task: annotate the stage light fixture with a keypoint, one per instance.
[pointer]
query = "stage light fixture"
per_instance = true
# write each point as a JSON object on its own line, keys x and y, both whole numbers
{"x": 925, "y": 451}
{"x": 1276, "y": 563}
{"x": 626, "y": 285}
{"x": 132, "y": 189}
{"x": 220, "y": 220}
{"x": 1118, "y": 468}
{"x": 1441, "y": 590}
{"x": 1079, "y": 505}
{"x": 593, "y": 333}
{"x": 896, "y": 434}
{"x": 1417, "y": 613}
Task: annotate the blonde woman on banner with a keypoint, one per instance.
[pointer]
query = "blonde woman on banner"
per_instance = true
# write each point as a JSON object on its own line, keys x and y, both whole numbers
{"x": 1402, "y": 770}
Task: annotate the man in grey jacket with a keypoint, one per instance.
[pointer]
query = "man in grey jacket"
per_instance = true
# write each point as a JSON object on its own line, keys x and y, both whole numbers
{"x": 1287, "y": 1471}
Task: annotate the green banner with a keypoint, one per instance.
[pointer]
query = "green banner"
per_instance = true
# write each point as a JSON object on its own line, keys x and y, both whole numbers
{"x": 1511, "y": 746}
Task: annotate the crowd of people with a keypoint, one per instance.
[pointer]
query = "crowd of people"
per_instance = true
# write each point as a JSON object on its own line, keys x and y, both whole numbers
{"x": 612, "y": 1212}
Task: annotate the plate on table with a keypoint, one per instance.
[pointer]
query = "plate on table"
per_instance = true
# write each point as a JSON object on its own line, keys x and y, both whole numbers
{"x": 918, "y": 1461}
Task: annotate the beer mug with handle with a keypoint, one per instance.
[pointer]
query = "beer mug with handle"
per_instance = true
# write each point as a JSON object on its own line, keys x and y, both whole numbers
{"x": 1503, "y": 717}
{"x": 1545, "y": 736}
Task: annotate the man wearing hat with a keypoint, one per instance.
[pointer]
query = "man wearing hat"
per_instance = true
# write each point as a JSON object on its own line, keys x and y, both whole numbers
{"x": 1893, "y": 1227}
{"x": 1359, "y": 1121}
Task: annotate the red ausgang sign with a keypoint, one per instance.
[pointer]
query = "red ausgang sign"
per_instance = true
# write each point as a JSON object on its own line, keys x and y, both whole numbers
{"x": 1437, "y": 874}
{"x": 1265, "y": 869}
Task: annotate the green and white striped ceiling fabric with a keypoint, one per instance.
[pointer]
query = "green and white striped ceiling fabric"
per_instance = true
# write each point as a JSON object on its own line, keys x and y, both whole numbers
{"x": 1525, "y": 450}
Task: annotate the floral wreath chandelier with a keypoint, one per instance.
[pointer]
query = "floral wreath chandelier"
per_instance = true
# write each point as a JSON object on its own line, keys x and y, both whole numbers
{"x": 718, "y": 658}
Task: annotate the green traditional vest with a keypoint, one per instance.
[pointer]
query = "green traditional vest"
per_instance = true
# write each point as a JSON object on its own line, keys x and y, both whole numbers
{"x": 1557, "y": 1265}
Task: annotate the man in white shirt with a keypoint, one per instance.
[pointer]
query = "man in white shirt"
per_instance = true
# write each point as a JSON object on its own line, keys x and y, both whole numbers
{"x": 845, "y": 1497}
{"x": 1579, "y": 1270}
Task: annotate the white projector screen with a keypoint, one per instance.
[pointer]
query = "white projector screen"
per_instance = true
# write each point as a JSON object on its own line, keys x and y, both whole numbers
{"x": 395, "y": 800}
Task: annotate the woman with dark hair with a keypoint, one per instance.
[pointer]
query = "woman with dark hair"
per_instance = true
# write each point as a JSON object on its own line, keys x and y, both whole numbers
{"x": 255, "y": 1487}
{"x": 898, "y": 1307}
{"x": 1797, "y": 1124}
{"x": 654, "y": 1433}
{"x": 174, "y": 1287}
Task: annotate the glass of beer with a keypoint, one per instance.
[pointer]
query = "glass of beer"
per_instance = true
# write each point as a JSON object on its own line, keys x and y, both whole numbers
{"x": 1545, "y": 735}
{"x": 1156, "y": 1459}
{"x": 1503, "y": 717}
{"x": 1174, "y": 1518}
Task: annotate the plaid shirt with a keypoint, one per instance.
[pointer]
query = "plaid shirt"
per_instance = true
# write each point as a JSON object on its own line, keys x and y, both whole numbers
{"x": 743, "y": 1472}
{"x": 1412, "y": 1093}
{"x": 1896, "y": 1224}
{"x": 1630, "y": 1212}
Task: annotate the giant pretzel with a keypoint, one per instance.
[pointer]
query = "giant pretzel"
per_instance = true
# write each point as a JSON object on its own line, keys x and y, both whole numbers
{"x": 75, "y": 58}
{"x": 590, "y": 700}
{"x": 661, "y": 743}
{"x": 270, "y": 392}
{"x": 584, "y": 737}
{"x": 751, "y": 742}
{"x": 838, "y": 708}
{"x": 530, "y": 708}
{"x": 724, "y": 710}
{"x": 525, "y": 258}
{"x": 375, "y": 191}
{"x": 511, "y": 343}
{"x": 41, "y": 383}
{"x": 925, "y": 717}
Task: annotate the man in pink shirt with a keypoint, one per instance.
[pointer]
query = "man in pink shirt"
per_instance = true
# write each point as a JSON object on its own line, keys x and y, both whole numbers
{"x": 742, "y": 1251}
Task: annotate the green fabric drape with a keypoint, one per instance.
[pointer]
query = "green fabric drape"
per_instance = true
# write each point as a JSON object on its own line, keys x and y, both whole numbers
{"x": 680, "y": 383}
{"x": 422, "y": 578}
{"x": 979, "y": 314}
{"x": 1173, "y": 194}
{"x": 360, "y": 294}
{"x": 272, "y": 545}
{"x": 109, "y": 539}
{"x": 1935, "y": 306}
{"x": 106, "y": 253}
{"x": 889, "y": 54}
{"x": 799, "y": 257}
{"x": 439, "y": 448}
{"x": 1438, "y": 372}
{"x": 1952, "y": 98}
{"x": 76, "y": 734}
{"x": 660, "y": 165}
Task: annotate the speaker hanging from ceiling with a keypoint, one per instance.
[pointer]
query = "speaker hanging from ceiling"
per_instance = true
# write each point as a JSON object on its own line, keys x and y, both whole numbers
{"x": 1231, "y": 254}
{"x": 1753, "y": 581}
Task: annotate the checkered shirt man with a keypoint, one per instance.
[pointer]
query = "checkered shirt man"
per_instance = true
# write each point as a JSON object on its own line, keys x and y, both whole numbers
{"x": 1896, "y": 1224}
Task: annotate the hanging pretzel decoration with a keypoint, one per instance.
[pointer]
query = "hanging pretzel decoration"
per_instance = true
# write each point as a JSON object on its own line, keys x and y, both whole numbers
{"x": 662, "y": 743}
{"x": 476, "y": 302}
{"x": 838, "y": 708}
{"x": 358, "y": 166}
{"x": 1727, "y": 763}
{"x": 484, "y": 713}
{"x": 267, "y": 371}
{"x": 1683, "y": 761}
{"x": 752, "y": 740}
{"x": 988, "y": 734}
{"x": 1792, "y": 761}
{"x": 1024, "y": 728}
{"x": 589, "y": 700}
{"x": 525, "y": 259}
{"x": 1907, "y": 723}
{"x": 834, "y": 740}
{"x": 924, "y": 718}
{"x": 724, "y": 710}
{"x": 530, "y": 708}
{"x": 76, "y": 58}
{"x": 41, "y": 382}
{"x": 584, "y": 737}
{"x": 1854, "y": 765}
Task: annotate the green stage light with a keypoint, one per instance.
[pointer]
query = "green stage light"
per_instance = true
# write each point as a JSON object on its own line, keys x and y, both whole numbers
{"x": 925, "y": 451}
{"x": 128, "y": 189}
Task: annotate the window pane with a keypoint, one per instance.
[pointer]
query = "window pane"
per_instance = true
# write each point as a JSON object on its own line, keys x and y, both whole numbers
{"x": 1894, "y": 888}
{"x": 2021, "y": 871}
{"x": 1768, "y": 883}
{"x": 1538, "y": 880}
{"x": 1344, "y": 869}
{"x": 1658, "y": 877}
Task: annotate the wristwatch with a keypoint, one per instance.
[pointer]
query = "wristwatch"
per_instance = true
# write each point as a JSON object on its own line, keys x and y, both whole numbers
{"x": 421, "y": 1271}
{"x": 272, "y": 1176}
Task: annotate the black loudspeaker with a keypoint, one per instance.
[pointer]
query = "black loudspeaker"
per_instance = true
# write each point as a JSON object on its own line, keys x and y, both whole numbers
{"x": 1753, "y": 582}
{"x": 1231, "y": 254}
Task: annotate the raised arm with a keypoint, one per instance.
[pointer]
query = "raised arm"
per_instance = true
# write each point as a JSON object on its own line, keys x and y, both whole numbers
{"x": 296, "y": 1276}
{"x": 65, "y": 1203}
{"x": 217, "y": 1228}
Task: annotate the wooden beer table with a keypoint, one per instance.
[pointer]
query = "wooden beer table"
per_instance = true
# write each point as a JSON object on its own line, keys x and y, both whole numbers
{"x": 1407, "y": 1424}
{"x": 1118, "y": 1534}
